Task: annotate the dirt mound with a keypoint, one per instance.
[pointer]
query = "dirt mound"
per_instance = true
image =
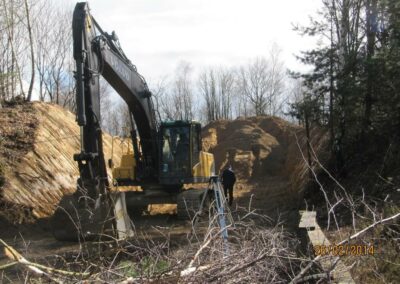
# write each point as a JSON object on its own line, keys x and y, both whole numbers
{"x": 258, "y": 147}
{"x": 37, "y": 145}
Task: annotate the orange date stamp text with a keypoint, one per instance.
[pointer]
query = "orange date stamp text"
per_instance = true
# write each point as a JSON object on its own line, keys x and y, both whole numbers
{"x": 344, "y": 250}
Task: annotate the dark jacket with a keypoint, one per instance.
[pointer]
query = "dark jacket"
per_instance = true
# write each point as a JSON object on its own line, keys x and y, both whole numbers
{"x": 228, "y": 177}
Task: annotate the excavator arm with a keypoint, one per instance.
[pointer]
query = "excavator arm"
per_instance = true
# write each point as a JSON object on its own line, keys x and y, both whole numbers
{"x": 93, "y": 210}
{"x": 98, "y": 53}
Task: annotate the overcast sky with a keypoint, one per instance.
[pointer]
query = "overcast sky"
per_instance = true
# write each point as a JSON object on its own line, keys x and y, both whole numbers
{"x": 157, "y": 34}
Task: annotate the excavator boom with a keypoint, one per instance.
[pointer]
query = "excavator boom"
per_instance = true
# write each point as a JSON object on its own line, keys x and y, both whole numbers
{"x": 98, "y": 53}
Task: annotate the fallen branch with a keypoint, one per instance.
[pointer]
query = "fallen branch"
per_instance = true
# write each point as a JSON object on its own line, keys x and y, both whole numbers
{"x": 7, "y": 265}
{"x": 193, "y": 269}
{"x": 190, "y": 269}
{"x": 380, "y": 222}
{"x": 241, "y": 267}
{"x": 37, "y": 268}
{"x": 198, "y": 252}
{"x": 318, "y": 276}
{"x": 352, "y": 237}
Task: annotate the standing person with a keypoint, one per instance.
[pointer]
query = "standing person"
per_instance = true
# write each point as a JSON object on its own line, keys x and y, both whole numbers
{"x": 228, "y": 181}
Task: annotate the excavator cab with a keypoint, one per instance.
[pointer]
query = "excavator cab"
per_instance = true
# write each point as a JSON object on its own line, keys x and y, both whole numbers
{"x": 180, "y": 143}
{"x": 181, "y": 159}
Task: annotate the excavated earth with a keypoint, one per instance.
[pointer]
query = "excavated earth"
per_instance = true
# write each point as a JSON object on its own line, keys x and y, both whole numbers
{"x": 38, "y": 141}
{"x": 37, "y": 144}
{"x": 268, "y": 155}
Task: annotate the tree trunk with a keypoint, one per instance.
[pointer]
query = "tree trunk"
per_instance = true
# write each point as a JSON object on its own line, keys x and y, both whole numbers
{"x": 371, "y": 18}
{"x": 307, "y": 124}
{"x": 331, "y": 86}
{"x": 29, "y": 96}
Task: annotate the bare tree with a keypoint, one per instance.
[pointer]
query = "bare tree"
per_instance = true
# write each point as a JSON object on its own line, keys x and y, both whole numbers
{"x": 275, "y": 80}
{"x": 115, "y": 114}
{"x": 29, "y": 28}
{"x": 106, "y": 105}
{"x": 254, "y": 84}
{"x": 124, "y": 116}
{"x": 182, "y": 96}
{"x": 173, "y": 99}
{"x": 226, "y": 80}
{"x": 114, "y": 125}
{"x": 262, "y": 82}
{"x": 43, "y": 41}
{"x": 54, "y": 53}
{"x": 43, "y": 29}
{"x": 161, "y": 99}
{"x": 243, "y": 105}
{"x": 217, "y": 89}
{"x": 12, "y": 44}
{"x": 207, "y": 87}
{"x": 120, "y": 120}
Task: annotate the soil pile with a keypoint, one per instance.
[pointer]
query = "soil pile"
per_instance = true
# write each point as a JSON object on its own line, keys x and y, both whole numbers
{"x": 37, "y": 144}
{"x": 258, "y": 147}
{"x": 38, "y": 141}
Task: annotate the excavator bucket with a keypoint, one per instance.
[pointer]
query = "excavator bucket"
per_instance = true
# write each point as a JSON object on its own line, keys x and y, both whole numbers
{"x": 122, "y": 220}
{"x": 80, "y": 219}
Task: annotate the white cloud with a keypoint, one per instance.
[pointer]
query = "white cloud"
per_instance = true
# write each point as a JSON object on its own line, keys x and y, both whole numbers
{"x": 156, "y": 34}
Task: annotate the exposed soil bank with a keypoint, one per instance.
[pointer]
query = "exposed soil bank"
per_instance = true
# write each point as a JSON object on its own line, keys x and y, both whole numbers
{"x": 37, "y": 144}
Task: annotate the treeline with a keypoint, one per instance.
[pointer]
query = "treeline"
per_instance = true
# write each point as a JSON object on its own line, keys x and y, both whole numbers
{"x": 259, "y": 87}
{"x": 36, "y": 51}
{"x": 352, "y": 90}
{"x": 354, "y": 86}
{"x": 255, "y": 88}
{"x": 37, "y": 63}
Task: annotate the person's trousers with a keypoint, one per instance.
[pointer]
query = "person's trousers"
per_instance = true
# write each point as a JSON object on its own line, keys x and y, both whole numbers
{"x": 228, "y": 189}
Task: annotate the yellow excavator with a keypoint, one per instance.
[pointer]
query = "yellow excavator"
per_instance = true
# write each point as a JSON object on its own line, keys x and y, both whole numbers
{"x": 165, "y": 157}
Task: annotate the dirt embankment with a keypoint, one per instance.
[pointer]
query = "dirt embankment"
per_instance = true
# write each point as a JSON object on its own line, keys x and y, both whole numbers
{"x": 37, "y": 144}
{"x": 38, "y": 141}
{"x": 264, "y": 147}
